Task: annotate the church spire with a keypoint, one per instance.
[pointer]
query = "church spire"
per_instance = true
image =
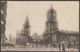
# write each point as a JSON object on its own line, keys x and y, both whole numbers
{"x": 26, "y": 24}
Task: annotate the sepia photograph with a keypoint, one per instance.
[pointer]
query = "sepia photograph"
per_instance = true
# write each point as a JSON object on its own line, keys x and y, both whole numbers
{"x": 40, "y": 26}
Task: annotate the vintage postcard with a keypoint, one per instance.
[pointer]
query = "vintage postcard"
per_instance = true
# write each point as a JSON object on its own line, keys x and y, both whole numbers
{"x": 40, "y": 26}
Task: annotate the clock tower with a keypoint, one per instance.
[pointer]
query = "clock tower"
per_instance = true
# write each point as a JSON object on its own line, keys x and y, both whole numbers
{"x": 51, "y": 26}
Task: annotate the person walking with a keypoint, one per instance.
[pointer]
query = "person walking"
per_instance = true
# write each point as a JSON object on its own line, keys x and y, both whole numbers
{"x": 59, "y": 46}
{"x": 63, "y": 46}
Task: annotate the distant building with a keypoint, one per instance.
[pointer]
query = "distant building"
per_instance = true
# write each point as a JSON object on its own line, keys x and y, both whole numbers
{"x": 35, "y": 37}
{"x": 3, "y": 7}
{"x": 18, "y": 38}
{"x": 11, "y": 40}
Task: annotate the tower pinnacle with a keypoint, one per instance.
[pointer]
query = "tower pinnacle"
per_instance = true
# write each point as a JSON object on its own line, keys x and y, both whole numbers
{"x": 27, "y": 22}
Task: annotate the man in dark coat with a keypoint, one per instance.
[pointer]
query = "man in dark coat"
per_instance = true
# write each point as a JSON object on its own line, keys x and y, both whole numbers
{"x": 63, "y": 46}
{"x": 59, "y": 46}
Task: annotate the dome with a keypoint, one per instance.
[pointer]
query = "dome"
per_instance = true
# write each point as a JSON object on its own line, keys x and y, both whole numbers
{"x": 51, "y": 10}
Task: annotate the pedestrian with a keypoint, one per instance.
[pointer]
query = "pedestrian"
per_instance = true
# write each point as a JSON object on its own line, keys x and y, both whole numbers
{"x": 63, "y": 47}
{"x": 59, "y": 46}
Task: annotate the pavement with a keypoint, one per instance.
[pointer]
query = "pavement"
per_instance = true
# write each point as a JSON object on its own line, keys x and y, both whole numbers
{"x": 36, "y": 49}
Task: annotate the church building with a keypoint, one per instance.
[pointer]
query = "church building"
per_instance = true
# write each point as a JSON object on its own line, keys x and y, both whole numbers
{"x": 53, "y": 35}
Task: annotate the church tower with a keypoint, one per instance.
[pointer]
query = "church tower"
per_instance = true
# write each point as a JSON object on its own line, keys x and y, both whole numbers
{"x": 26, "y": 29}
{"x": 51, "y": 26}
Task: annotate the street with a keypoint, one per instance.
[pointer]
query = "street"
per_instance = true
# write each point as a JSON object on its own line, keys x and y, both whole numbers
{"x": 36, "y": 49}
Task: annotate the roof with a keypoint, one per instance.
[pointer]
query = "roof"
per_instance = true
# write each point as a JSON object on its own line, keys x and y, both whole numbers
{"x": 68, "y": 32}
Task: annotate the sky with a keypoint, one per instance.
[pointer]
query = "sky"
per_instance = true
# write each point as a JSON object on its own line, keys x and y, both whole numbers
{"x": 17, "y": 12}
